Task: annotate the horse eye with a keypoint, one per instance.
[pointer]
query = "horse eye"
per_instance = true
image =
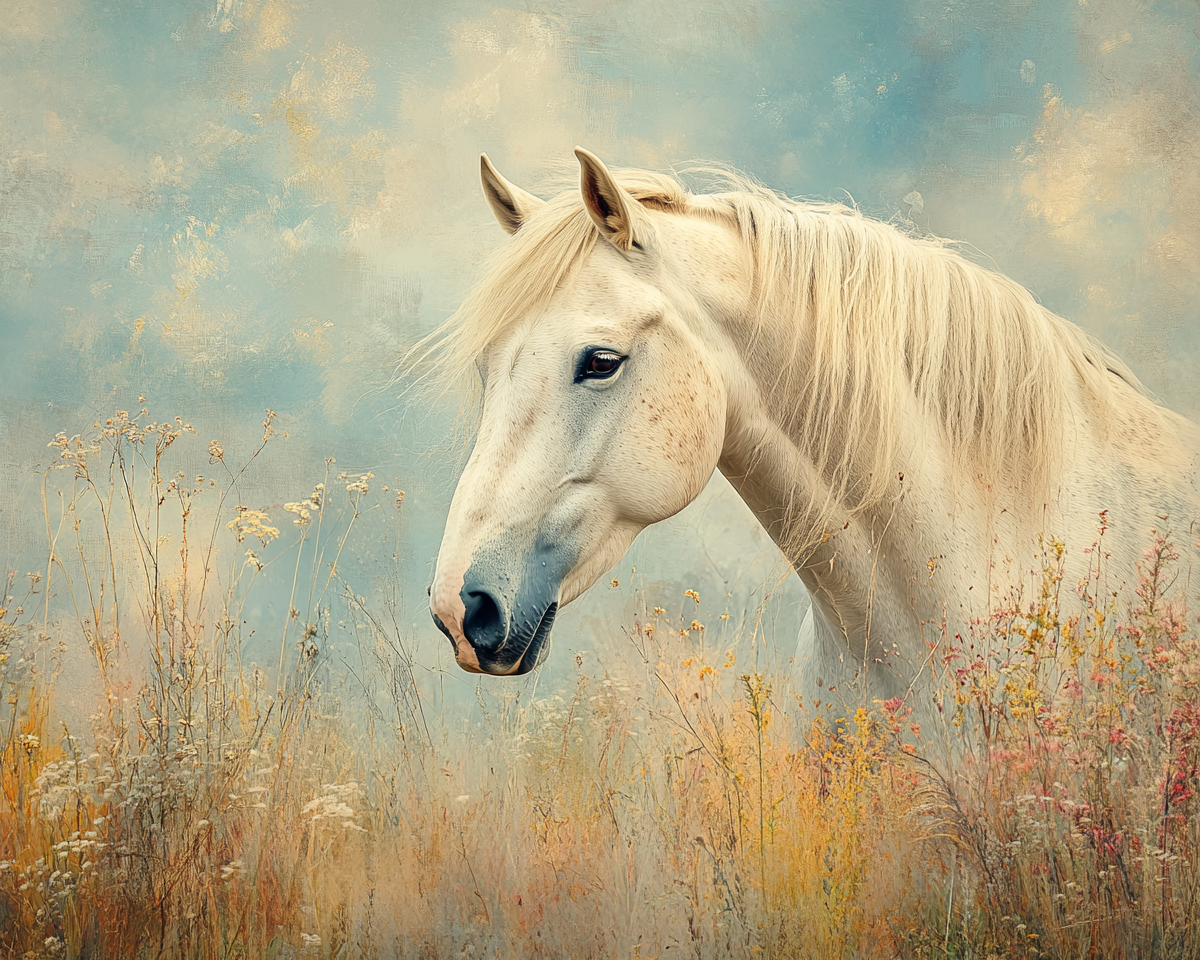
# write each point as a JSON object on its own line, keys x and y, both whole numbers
{"x": 600, "y": 365}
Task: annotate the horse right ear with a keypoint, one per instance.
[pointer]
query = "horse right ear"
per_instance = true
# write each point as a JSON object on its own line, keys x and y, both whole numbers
{"x": 612, "y": 208}
{"x": 511, "y": 205}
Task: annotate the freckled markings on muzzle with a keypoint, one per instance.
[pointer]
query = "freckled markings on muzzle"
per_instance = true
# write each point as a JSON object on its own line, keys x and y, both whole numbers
{"x": 525, "y": 593}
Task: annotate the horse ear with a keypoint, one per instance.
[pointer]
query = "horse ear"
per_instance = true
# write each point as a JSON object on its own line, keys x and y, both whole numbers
{"x": 511, "y": 205}
{"x": 612, "y": 208}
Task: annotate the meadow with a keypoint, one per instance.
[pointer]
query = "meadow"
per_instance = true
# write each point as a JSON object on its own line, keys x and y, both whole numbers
{"x": 217, "y": 805}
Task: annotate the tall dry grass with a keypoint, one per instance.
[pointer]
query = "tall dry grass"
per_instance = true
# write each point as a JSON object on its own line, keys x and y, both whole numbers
{"x": 322, "y": 806}
{"x": 1076, "y": 805}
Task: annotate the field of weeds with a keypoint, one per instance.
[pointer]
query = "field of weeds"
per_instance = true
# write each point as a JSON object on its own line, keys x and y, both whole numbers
{"x": 214, "y": 805}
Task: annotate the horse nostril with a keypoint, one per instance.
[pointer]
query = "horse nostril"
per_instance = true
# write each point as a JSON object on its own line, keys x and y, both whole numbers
{"x": 482, "y": 624}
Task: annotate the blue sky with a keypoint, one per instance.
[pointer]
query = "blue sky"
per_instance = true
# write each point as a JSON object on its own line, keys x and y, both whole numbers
{"x": 232, "y": 205}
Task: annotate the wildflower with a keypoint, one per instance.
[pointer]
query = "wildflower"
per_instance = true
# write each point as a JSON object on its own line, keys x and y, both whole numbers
{"x": 304, "y": 508}
{"x": 253, "y": 523}
{"x": 358, "y": 482}
{"x": 333, "y": 804}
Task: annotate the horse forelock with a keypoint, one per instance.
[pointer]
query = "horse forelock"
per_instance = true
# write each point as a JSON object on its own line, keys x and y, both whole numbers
{"x": 871, "y": 318}
{"x": 521, "y": 278}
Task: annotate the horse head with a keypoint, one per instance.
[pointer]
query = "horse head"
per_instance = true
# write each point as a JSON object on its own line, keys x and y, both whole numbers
{"x": 603, "y": 410}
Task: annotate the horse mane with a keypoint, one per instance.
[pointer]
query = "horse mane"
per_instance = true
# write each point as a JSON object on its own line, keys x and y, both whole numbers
{"x": 877, "y": 321}
{"x": 880, "y": 319}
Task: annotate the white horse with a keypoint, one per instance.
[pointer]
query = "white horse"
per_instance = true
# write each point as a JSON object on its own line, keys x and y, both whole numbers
{"x": 904, "y": 423}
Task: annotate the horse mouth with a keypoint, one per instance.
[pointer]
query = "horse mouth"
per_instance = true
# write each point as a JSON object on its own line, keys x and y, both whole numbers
{"x": 535, "y": 651}
{"x": 533, "y": 654}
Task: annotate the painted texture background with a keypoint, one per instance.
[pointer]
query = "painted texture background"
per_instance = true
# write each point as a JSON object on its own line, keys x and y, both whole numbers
{"x": 231, "y": 205}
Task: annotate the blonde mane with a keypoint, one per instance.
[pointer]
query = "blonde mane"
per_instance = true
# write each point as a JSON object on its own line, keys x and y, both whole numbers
{"x": 877, "y": 321}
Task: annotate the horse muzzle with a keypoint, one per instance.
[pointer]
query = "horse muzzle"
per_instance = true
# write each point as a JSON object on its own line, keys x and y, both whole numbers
{"x": 508, "y": 609}
{"x": 489, "y": 645}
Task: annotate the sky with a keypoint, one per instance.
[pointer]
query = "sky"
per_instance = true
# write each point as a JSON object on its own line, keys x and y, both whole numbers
{"x": 227, "y": 206}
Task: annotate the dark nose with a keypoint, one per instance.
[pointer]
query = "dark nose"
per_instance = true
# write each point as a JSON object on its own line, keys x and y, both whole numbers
{"x": 483, "y": 625}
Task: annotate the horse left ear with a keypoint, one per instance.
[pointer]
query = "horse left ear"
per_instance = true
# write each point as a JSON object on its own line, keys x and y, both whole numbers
{"x": 511, "y": 205}
{"x": 612, "y": 208}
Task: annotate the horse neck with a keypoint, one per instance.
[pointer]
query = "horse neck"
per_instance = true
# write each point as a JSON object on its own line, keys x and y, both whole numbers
{"x": 857, "y": 562}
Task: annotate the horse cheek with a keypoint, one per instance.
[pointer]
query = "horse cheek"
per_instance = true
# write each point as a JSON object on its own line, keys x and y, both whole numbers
{"x": 712, "y": 426}
{"x": 694, "y": 412}
{"x": 700, "y": 400}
